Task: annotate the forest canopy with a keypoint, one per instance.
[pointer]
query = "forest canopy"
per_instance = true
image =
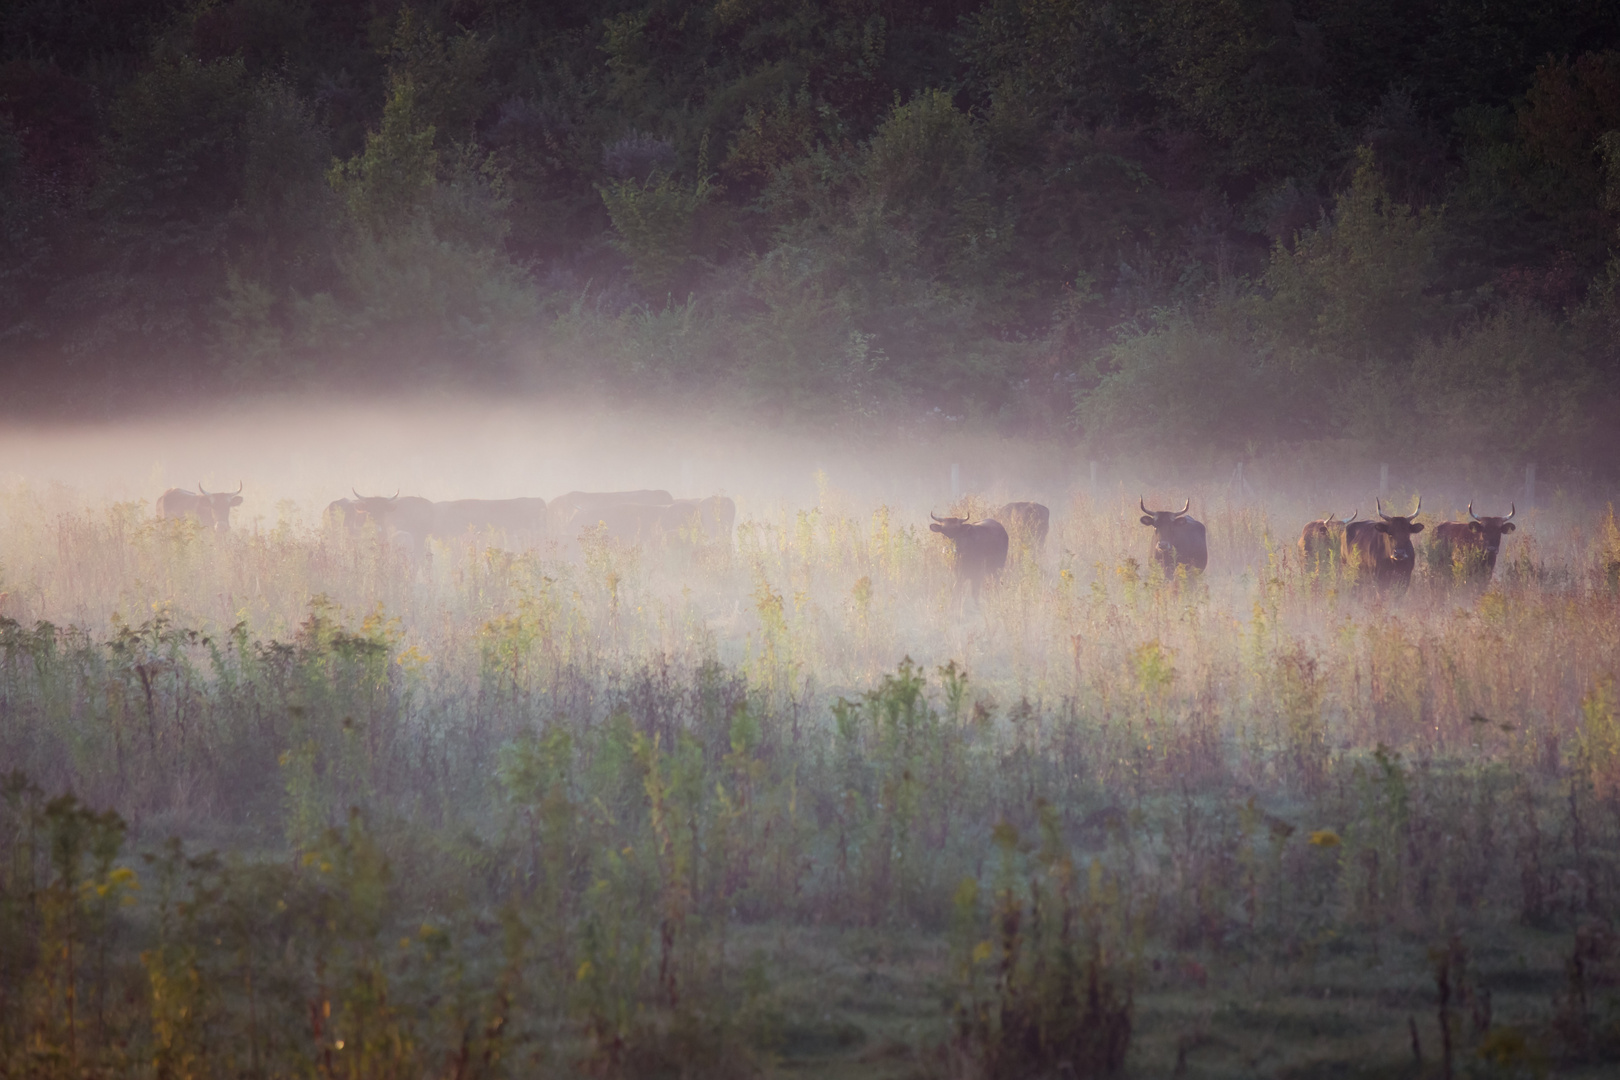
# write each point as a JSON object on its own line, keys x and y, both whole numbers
{"x": 1187, "y": 225}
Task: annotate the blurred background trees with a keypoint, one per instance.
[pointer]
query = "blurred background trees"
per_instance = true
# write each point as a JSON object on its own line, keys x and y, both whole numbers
{"x": 1132, "y": 223}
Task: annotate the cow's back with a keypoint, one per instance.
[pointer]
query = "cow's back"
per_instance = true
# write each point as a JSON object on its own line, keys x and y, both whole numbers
{"x": 178, "y": 503}
{"x": 1029, "y": 521}
{"x": 982, "y": 550}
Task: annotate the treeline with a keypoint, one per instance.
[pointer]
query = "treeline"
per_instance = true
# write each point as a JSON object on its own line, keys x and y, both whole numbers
{"x": 1184, "y": 224}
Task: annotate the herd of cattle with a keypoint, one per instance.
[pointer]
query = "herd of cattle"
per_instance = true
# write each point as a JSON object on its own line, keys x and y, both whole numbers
{"x": 1379, "y": 551}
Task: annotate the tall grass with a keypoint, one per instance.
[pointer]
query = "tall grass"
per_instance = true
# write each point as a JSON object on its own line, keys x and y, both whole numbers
{"x": 291, "y": 801}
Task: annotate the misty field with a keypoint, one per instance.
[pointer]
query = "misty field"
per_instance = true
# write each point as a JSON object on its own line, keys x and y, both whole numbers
{"x": 289, "y": 802}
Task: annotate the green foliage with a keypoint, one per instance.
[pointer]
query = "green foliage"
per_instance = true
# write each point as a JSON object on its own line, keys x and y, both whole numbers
{"x": 655, "y": 220}
{"x": 1352, "y": 293}
{"x": 989, "y": 206}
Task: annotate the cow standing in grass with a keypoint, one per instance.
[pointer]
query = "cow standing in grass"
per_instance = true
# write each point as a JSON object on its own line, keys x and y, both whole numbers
{"x": 981, "y": 550}
{"x": 1381, "y": 551}
{"x": 405, "y": 521}
{"x": 1319, "y": 540}
{"x": 1473, "y": 545}
{"x": 213, "y": 509}
{"x": 1026, "y": 522}
{"x": 1178, "y": 540}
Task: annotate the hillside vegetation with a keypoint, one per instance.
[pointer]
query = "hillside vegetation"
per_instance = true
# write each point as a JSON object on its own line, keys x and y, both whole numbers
{"x": 1148, "y": 224}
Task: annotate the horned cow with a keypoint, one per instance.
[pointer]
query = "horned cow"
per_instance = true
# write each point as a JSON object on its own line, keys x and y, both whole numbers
{"x": 1381, "y": 551}
{"x": 213, "y": 509}
{"x": 981, "y": 549}
{"x": 1178, "y": 540}
{"x": 1320, "y": 539}
{"x": 1473, "y": 545}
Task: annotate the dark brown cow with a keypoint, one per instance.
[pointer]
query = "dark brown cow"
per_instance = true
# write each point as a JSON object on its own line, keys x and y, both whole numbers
{"x": 981, "y": 549}
{"x": 1381, "y": 551}
{"x": 1178, "y": 540}
{"x": 213, "y": 509}
{"x": 1319, "y": 540}
{"x": 1027, "y": 522}
{"x": 1472, "y": 546}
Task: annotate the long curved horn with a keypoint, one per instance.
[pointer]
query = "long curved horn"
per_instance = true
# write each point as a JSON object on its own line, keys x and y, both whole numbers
{"x": 357, "y": 494}
{"x": 1418, "y": 507}
{"x": 934, "y": 516}
{"x": 200, "y": 489}
{"x": 1142, "y": 502}
{"x": 1380, "y": 504}
{"x": 238, "y": 490}
{"x": 1512, "y": 509}
{"x": 1471, "y": 510}
{"x": 1352, "y": 516}
{"x": 1185, "y": 506}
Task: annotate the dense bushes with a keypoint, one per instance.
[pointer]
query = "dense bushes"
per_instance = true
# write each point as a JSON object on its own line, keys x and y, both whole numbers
{"x": 1001, "y": 203}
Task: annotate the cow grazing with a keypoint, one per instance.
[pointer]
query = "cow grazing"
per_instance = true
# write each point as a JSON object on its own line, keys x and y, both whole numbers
{"x": 1178, "y": 540}
{"x": 981, "y": 549}
{"x": 1319, "y": 540}
{"x": 213, "y": 509}
{"x": 1473, "y": 545}
{"x": 1026, "y": 522}
{"x": 1381, "y": 551}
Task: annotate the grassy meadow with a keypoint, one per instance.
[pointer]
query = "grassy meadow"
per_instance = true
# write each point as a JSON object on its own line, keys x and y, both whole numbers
{"x": 289, "y": 803}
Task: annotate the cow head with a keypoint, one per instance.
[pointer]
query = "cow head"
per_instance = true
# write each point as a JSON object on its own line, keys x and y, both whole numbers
{"x": 1490, "y": 530}
{"x": 372, "y": 508}
{"x": 1400, "y": 531}
{"x": 1331, "y": 522}
{"x": 1163, "y": 522}
{"x": 950, "y": 527}
{"x": 215, "y": 506}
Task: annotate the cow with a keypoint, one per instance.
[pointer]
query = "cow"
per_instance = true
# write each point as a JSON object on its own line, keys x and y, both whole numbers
{"x": 212, "y": 508}
{"x": 1473, "y": 545}
{"x": 522, "y": 520}
{"x": 1381, "y": 551}
{"x": 1319, "y": 540}
{"x": 719, "y": 518}
{"x": 1027, "y": 522}
{"x": 406, "y": 521}
{"x": 564, "y": 508}
{"x": 340, "y": 512}
{"x": 1178, "y": 540}
{"x": 981, "y": 549}
{"x": 409, "y": 521}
